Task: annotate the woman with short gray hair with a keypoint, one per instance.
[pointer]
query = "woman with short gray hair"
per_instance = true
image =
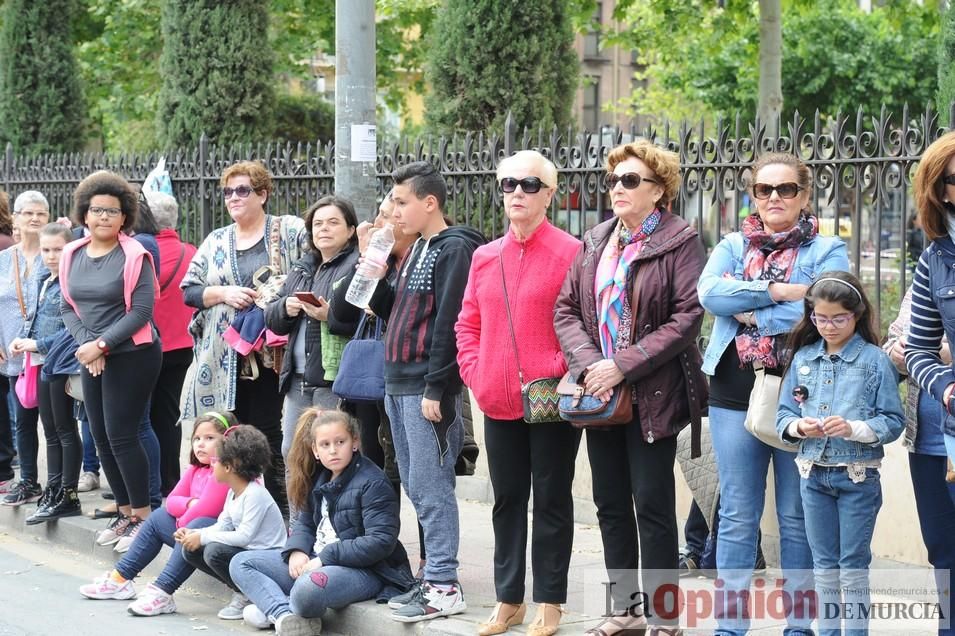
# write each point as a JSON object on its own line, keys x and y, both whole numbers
{"x": 172, "y": 317}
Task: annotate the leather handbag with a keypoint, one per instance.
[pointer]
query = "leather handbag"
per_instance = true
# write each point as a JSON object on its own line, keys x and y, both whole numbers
{"x": 763, "y": 403}
{"x": 361, "y": 372}
{"x": 583, "y": 409}
{"x": 539, "y": 397}
{"x": 27, "y": 381}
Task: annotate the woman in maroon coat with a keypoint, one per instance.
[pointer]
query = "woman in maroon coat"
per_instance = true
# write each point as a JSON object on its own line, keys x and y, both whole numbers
{"x": 628, "y": 312}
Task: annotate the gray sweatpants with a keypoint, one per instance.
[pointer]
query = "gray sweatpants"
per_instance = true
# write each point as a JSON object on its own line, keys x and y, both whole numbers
{"x": 429, "y": 480}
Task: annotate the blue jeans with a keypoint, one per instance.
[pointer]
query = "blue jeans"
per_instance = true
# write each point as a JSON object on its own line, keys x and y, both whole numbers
{"x": 263, "y": 576}
{"x": 157, "y": 531}
{"x": 90, "y": 458}
{"x": 840, "y": 517}
{"x": 743, "y": 463}
{"x": 935, "y": 502}
{"x": 147, "y": 436}
{"x": 428, "y": 477}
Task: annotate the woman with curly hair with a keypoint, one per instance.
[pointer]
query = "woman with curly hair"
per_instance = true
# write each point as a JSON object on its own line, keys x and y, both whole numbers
{"x": 109, "y": 289}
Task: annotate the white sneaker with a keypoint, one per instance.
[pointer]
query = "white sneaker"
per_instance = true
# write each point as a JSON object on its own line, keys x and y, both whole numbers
{"x": 106, "y": 588}
{"x": 254, "y": 617}
{"x": 153, "y": 602}
{"x": 128, "y": 536}
{"x": 114, "y": 531}
{"x": 233, "y": 611}
{"x": 292, "y": 625}
{"x": 432, "y": 602}
{"x": 88, "y": 481}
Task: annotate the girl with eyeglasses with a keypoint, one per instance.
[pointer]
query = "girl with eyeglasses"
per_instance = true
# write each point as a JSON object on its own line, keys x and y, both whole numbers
{"x": 109, "y": 289}
{"x": 754, "y": 283}
{"x": 847, "y": 409}
{"x": 219, "y": 284}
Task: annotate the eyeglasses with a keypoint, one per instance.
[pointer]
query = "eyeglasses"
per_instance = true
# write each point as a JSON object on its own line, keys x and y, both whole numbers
{"x": 110, "y": 212}
{"x": 839, "y": 322}
{"x": 786, "y": 190}
{"x": 949, "y": 179}
{"x": 630, "y": 180}
{"x": 530, "y": 185}
{"x": 243, "y": 191}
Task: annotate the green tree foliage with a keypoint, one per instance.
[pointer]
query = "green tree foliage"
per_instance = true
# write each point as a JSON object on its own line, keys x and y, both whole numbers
{"x": 119, "y": 46}
{"x": 216, "y": 69}
{"x": 701, "y": 59}
{"x": 946, "y": 62}
{"x": 41, "y": 100}
{"x": 303, "y": 118}
{"x": 490, "y": 56}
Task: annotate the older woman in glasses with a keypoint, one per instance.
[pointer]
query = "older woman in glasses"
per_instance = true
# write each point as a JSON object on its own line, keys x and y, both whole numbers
{"x": 628, "y": 314}
{"x": 754, "y": 284}
{"x": 522, "y": 272}
{"x": 219, "y": 283}
{"x": 108, "y": 284}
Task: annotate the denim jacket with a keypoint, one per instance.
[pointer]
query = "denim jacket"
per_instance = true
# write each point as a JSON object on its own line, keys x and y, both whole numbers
{"x": 858, "y": 383}
{"x": 724, "y": 293}
{"x": 44, "y": 320}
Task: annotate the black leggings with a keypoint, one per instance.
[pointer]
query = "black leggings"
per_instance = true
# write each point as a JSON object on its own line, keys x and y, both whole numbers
{"x": 115, "y": 403}
{"x": 259, "y": 404}
{"x": 164, "y": 414}
{"x": 64, "y": 448}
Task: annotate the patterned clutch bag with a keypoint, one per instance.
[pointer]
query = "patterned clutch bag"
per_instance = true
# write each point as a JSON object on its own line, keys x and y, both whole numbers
{"x": 540, "y": 399}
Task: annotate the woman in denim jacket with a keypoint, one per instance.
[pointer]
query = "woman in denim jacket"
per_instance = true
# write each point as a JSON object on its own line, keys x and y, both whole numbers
{"x": 840, "y": 403}
{"x": 754, "y": 283}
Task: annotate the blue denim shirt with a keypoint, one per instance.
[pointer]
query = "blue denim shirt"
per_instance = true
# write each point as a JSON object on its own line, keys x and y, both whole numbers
{"x": 724, "y": 296}
{"x": 44, "y": 320}
{"x": 11, "y": 320}
{"x": 858, "y": 383}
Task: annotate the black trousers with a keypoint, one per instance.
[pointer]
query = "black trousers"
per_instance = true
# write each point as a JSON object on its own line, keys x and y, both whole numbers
{"x": 628, "y": 471}
{"x": 164, "y": 414}
{"x": 64, "y": 447}
{"x": 521, "y": 456}
{"x": 259, "y": 403}
{"x": 214, "y": 559}
{"x": 115, "y": 403}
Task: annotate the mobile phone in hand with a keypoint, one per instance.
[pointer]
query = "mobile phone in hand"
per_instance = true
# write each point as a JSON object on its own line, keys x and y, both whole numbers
{"x": 309, "y": 298}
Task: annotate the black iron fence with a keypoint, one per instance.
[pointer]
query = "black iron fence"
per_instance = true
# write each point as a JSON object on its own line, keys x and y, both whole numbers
{"x": 862, "y": 166}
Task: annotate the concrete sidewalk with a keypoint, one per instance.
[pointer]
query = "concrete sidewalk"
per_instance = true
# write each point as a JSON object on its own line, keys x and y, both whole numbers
{"x": 77, "y": 535}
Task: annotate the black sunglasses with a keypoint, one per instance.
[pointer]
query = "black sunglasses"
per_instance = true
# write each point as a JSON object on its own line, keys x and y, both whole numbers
{"x": 530, "y": 185}
{"x": 949, "y": 179}
{"x": 786, "y": 190}
{"x": 243, "y": 191}
{"x": 629, "y": 180}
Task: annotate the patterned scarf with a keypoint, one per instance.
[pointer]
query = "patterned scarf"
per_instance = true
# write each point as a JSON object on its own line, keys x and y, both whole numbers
{"x": 611, "y": 280}
{"x": 769, "y": 257}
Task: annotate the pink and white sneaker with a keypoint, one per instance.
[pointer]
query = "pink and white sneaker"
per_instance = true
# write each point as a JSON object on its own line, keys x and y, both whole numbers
{"x": 106, "y": 588}
{"x": 152, "y": 602}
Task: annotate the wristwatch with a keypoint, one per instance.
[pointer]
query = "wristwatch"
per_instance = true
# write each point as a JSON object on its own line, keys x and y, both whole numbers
{"x": 101, "y": 344}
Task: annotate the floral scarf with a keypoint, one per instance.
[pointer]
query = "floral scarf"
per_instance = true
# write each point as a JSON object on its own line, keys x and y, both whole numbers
{"x": 611, "y": 280}
{"x": 769, "y": 257}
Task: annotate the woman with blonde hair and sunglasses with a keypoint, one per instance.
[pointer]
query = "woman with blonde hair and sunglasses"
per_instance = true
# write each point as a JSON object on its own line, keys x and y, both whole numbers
{"x": 628, "y": 315}
{"x": 219, "y": 284}
{"x": 754, "y": 284}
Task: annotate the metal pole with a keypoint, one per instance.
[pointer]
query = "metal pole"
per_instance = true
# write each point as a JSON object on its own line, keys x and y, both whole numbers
{"x": 355, "y": 147}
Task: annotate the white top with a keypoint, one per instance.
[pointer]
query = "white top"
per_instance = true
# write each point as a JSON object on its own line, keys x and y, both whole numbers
{"x": 325, "y": 534}
{"x": 252, "y": 521}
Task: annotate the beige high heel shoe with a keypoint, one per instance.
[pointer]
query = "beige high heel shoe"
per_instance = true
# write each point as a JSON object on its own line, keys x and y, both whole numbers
{"x": 543, "y": 623}
{"x": 498, "y": 624}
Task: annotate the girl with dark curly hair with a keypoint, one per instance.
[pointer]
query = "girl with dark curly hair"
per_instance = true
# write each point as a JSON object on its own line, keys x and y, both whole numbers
{"x": 109, "y": 288}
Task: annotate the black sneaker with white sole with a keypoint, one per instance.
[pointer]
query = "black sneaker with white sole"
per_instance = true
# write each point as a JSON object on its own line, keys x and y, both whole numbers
{"x": 397, "y": 602}
{"x": 25, "y": 491}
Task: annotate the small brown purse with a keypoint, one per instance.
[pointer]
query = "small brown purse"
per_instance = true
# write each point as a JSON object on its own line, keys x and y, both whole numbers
{"x": 582, "y": 409}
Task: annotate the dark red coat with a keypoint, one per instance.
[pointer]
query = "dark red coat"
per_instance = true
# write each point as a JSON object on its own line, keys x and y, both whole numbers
{"x": 663, "y": 363}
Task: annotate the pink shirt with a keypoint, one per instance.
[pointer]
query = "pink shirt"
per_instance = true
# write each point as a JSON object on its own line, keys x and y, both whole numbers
{"x": 199, "y": 484}
{"x": 172, "y": 315}
{"x": 535, "y": 270}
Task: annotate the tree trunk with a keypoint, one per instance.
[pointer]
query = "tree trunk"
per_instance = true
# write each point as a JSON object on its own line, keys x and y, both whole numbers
{"x": 770, "y": 64}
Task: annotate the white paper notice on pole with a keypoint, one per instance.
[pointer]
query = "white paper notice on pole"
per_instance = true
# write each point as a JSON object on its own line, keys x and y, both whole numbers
{"x": 363, "y": 146}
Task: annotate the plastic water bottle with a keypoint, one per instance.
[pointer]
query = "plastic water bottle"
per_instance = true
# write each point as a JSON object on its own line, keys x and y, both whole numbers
{"x": 379, "y": 249}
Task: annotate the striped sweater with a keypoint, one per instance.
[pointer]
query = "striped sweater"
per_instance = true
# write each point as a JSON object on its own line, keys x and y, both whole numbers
{"x": 934, "y": 279}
